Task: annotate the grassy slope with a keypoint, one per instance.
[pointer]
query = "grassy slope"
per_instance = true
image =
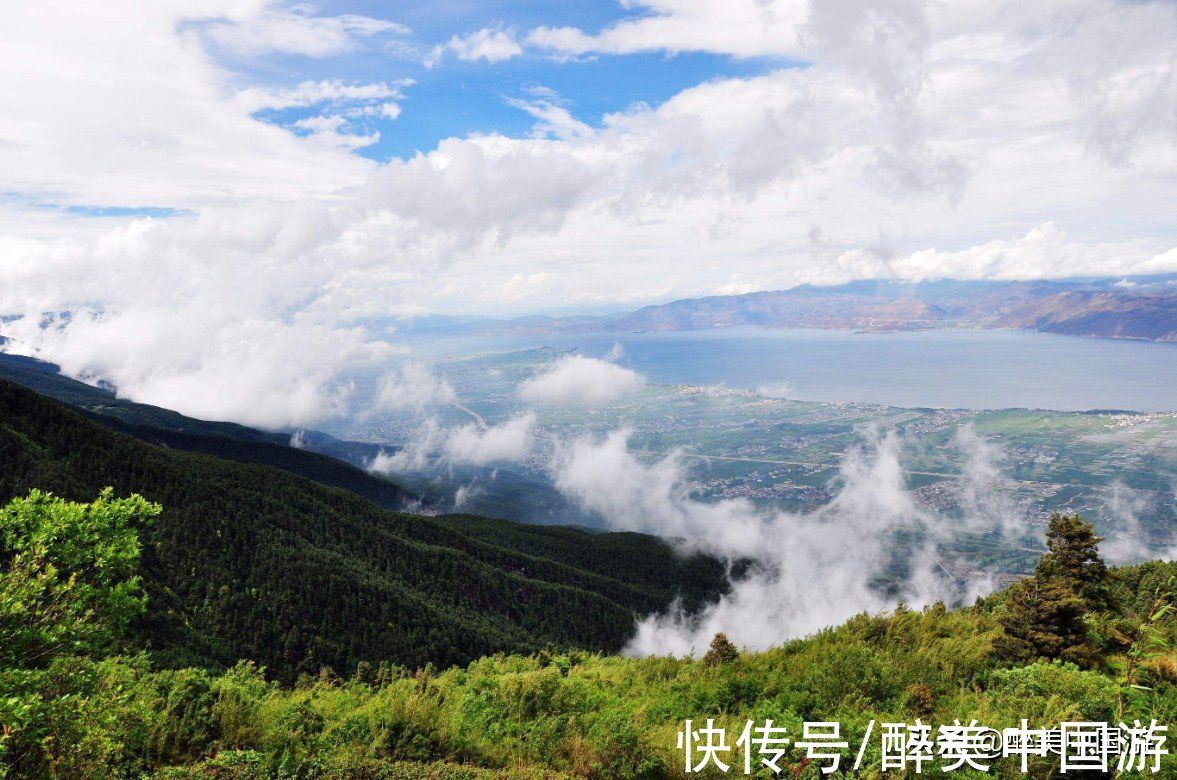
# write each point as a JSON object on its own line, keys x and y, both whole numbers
{"x": 252, "y": 562}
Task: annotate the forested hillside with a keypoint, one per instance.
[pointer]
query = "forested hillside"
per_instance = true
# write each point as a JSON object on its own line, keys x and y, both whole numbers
{"x": 1074, "y": 642}
{"x": 252, "y": 562}
{"x": 324, "y": 459}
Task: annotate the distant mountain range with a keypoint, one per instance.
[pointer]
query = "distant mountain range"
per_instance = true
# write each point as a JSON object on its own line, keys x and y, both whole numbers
{"x": 1138, "y": 309}
{"x": 1117, "y": 315}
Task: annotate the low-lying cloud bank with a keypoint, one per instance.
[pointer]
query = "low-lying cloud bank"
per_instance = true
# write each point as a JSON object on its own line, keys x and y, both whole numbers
{"x": 412, "y": 387}
{"x": 434, "y": 445}
{"x": 576, "y": 380}
{"x": 571, "y": 381}
{"x": 507, "y": 442}
{"x": 805, "y": 571}
{"x": 808, "y": 571}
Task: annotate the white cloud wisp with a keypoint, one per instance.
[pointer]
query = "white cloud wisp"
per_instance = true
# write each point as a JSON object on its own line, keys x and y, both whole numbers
{"x": 808, "y": 571}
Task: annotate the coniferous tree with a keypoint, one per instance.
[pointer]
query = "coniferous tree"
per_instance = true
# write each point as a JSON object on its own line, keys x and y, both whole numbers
{"x": 722, "y": 651}
{"x": 1073, "y": 559}
{"x": 1043, "y": 618}
{"x": 1045, "y": 615}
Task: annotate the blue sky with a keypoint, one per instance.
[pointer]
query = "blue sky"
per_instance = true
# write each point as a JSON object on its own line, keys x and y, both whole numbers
{"x": 457, "y": 98}
{"x": 454, "y": 98}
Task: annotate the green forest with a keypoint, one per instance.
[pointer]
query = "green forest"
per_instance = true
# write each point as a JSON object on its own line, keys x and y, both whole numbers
{"x": 170, "y": 614}
{"x": 249, "y": 561}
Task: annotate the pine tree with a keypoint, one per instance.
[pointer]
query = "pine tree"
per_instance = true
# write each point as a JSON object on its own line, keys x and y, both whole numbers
{"x": 1045, "y": 615}
{"x": 1043, "y": 618}
{"x": 722, "y": 651}
{"x": 1073, "y": 559}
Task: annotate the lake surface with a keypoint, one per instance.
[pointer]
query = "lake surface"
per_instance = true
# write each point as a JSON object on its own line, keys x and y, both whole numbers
{"x": 975, "y": 369}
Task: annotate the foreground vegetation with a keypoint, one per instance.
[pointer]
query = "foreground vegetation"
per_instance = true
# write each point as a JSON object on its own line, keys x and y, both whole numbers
{"x": 1073, "y": 642}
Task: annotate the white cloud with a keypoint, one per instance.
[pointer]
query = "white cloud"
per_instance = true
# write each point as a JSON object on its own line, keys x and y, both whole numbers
{"x": 776, "y": 390}
{"x": 100, "y": 111}
{"x": 433, "y": 445}
{"x": 984, "y": 489}
{"x": 412, "y": 387}
{"x": 744, "y": 28}
{"x": 415, "y": 456}
{"x": 1124, "y": 543}
{"x": 329, "y": 130}
{"x": 1044, "y": 252}
{"x": 492, "y": 45}
{"x": 507, "y": 442}
{"x": 252, "y": 370}
{"x": 984, "y": 139}
{"x": 465, "y": 494}
{"x": 293, "y": 30}
{"x": 553, "y": 118}
{"x": 629, "y": 494}
{"x": 805, "y": 574}
{"x": 349, "y": 104}
{"x": 312, "y": 93}
{"x": 576, "y": 380}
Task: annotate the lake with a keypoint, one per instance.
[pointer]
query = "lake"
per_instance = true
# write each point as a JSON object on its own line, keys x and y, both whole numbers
{"x": 975, "y": 369}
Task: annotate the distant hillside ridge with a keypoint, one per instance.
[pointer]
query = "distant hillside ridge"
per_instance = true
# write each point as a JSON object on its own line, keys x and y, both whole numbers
{"x": 1104, "y": 314}
{"x": 322, "y": 458}
{"x": 1147, "y": 312}
{"x": 249, "y": 561}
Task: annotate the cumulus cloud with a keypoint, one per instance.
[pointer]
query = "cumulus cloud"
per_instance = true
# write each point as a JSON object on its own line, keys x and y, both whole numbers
{"x": 252, "y": 370}
{"x": 412, "y": 387}
{"x": 906, "y": 117}
{"x": 489, "y": 44}
{"x": 744, "y": 28}
{"x": 808, "y": 571}
{"x": 576, "y": 380}
{"x": 1044, "y": 252}
{"x": 507, "y": 442}
{"x": 434, "y": 445}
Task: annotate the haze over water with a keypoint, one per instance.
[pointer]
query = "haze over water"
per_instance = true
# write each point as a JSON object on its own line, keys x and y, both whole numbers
{"x": 974, "y": 369}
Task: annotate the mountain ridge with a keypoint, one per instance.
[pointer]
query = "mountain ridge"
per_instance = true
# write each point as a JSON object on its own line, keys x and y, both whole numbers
{"x": 249, "y": 561}
{"x": 888, "y": 305}
{"x": 323, "y": 458}
{"x": 1101, "y": 314}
